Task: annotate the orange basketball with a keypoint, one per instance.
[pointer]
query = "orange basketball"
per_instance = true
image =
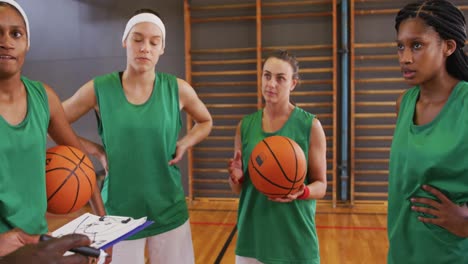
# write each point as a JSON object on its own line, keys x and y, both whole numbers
{"x": 277, "y": 166}
{"x": 70, "y": 179}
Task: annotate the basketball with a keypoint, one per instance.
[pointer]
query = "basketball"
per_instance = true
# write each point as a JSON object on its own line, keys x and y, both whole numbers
{"x": 70, "y": 179}
{"x": 277, "y": 166}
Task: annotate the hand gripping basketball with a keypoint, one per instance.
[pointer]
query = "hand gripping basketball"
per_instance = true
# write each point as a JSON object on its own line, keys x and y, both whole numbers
{"x": 70, "y": 179}
{"x": 277, "y": 166}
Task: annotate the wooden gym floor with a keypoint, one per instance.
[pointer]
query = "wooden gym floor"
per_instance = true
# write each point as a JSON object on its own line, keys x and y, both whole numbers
{"x": 346, "y": 236}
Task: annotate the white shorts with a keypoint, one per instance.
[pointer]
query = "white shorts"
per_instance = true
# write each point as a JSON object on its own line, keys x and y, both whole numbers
{"x": 246, "y": 260}
{"x": 173, "y": 246}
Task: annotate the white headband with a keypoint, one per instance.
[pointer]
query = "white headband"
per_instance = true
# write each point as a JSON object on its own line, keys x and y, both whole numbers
{"x": 23, "y": 14}
{"x": 145, "y": 17}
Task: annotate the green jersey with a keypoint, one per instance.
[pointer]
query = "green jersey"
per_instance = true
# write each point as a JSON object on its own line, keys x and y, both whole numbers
{"x": 432, "y": 154}
{"x": 139, "y": 141}
{"x": 268, "y": 231}
{"x": 23, "y": 201}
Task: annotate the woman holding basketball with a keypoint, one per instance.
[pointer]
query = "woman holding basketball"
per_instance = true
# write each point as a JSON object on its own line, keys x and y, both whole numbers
{"x": 279, "y": 230}
{"x": 139, "y": 122}
{"x": 29, "y": 110}
{"x": 428, "y": 181}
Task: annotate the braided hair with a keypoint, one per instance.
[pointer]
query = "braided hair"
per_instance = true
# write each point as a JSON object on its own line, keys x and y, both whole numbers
{"x": 449, "y": 22}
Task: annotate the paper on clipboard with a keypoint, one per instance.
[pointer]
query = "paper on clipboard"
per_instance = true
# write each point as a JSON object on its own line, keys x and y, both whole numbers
{"x": 103, "y": 231}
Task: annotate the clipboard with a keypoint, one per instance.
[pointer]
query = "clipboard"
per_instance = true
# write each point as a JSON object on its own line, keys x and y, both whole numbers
{"x": 104, "y": 231}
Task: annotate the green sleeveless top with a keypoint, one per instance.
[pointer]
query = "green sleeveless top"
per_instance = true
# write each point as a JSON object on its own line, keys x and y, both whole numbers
{"x": 434, "y": 154}
{"x": 139, "y": 141}
{"x": 23, "y": 201}
{"x": 268, "y": 231}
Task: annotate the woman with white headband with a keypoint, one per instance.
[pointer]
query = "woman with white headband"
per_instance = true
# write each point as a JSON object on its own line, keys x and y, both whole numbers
{"x": 29, "y": 110}
{"x": 139, "y": 121}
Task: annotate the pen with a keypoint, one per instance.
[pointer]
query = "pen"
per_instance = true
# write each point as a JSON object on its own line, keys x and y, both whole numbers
{"x": 85, "y": 251}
